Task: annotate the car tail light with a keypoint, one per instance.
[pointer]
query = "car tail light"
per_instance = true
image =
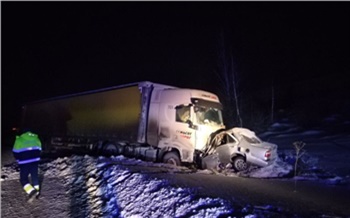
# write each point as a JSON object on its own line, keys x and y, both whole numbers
{"x": 267, "y": 154}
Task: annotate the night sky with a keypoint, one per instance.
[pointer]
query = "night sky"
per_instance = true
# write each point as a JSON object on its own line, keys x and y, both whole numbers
{"x": 56, "y": 48}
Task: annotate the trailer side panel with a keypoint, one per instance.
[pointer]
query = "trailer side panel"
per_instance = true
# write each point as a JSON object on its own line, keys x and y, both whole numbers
{"x": 107, "y": 114}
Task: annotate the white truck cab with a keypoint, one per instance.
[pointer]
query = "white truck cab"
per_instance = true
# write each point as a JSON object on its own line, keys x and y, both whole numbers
{"x": 184, "y": 118}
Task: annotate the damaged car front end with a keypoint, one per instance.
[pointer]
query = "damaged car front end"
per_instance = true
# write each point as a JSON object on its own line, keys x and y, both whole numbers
{"x": 238, "y": 147}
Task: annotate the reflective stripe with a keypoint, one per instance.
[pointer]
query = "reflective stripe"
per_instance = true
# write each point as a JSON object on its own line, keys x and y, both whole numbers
{"x": 28, "y": 188}
{"x": 28, "y": 161}
{"x": 31, "y": 141}
{"x": 26, "y": 149}
{"x": 36, "y": 187}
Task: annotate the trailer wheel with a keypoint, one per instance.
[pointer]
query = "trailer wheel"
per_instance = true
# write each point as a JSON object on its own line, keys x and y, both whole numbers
{"x": 120, "y": 149}
{"x": 99, "y": 148}
{"x": 110, "y": 149}
{"x": 172, "y": 157}
{"x": 239, "y": 163}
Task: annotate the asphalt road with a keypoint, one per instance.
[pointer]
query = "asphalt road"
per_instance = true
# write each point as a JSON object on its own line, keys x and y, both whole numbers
{"x": 287, "y": 198}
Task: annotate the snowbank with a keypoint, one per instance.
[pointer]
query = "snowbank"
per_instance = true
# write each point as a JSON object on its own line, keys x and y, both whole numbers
{"x": 100, "y": 187}
{"x": 104, "y": 187}
{"x": 275, "y": 170}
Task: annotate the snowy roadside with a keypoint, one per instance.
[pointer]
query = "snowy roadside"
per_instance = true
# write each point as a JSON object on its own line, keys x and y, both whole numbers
{"x": 87, "y": 186}
{"x": 97, "y": 189}
{"x": 326, "y": 152}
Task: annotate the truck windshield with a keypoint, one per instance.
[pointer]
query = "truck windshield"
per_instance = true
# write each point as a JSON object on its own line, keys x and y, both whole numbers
{"x": 205, "y": 115}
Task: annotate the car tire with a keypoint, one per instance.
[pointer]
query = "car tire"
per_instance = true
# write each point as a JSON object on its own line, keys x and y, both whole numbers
{"x": 239, "y": 164}
{"x": 172, "y": 158}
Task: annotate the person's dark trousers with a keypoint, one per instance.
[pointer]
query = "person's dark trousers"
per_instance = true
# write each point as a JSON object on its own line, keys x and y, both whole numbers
{"x": 25, "y": 170}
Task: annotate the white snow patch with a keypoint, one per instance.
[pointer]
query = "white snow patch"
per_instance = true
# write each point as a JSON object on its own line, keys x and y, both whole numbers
{"x": 110, "y": 190}
{"x": 100, "y": 187}
{"x": 281, "y": 125}
{"x": 311, "y": 132}
{"x": 276, "y": 169}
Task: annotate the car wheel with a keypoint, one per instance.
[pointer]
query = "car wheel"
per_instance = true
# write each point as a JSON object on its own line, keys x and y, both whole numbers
{"x": 239, "y": 164}
{"x": 172, "y": 158}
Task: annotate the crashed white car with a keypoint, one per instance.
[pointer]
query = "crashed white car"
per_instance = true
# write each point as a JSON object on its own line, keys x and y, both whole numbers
{"x": 238, "y": 147}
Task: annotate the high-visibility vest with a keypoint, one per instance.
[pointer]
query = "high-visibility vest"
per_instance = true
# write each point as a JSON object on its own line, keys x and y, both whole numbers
{"x": 27, "y": 148}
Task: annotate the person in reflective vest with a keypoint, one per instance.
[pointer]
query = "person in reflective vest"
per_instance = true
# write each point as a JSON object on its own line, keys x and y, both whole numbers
{"x": 26, "y": 150}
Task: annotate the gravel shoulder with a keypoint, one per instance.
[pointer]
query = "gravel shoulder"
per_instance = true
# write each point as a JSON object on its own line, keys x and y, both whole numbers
{"x": 53, "y": 202}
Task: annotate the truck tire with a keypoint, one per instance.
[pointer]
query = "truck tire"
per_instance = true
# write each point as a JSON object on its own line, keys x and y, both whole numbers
{"x": 239, "y": 163}
{"x": 120, "y": 149}
{"x": 129, "y": 151}
{"x": 172, "y": 157}
{"x": 110, "y": 149}
{"x": 99, "y": 148}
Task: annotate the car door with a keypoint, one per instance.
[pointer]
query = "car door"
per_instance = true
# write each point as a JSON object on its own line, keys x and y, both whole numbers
{"x": 226, "y": 148}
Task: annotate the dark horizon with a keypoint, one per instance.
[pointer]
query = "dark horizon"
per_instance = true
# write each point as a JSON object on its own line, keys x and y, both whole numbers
{"x": 52, "y": 49}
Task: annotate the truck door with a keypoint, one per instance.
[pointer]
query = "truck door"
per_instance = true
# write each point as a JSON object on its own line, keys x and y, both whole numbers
{"x": 207, "y": 122}
{"x": 175, "y": 131}
{"x": 183, "y": 124}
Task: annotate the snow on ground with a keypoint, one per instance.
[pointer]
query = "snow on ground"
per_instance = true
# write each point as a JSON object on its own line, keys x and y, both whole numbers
{"x": 326, "y": 151}
{"x": 105, "y": 187}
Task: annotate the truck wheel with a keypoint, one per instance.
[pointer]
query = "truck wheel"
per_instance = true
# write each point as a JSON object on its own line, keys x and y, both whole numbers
{"x": 99, "y": 148}
{"x": 172, "y": 158}
{"x": 239, "y": 164}
{"x": 110, "y": 149}
{"x": 120, "y": 149}
{"x": 129, "y": 151}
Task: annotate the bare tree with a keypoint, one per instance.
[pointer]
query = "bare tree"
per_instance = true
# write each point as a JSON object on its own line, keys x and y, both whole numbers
{"x": 299, "y": 152}
{"x": 228, "y": 80}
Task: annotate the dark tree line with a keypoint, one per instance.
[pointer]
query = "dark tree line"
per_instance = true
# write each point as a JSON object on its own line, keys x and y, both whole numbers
{"x": 256, "y": 104}
{"x": 242, "y": 108}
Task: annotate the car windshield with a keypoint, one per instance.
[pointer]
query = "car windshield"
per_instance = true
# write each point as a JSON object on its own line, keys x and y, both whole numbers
{"x": 205, "y": 115}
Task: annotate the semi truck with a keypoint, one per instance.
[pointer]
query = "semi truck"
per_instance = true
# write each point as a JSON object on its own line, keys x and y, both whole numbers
{"x": 145, "y": 120}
